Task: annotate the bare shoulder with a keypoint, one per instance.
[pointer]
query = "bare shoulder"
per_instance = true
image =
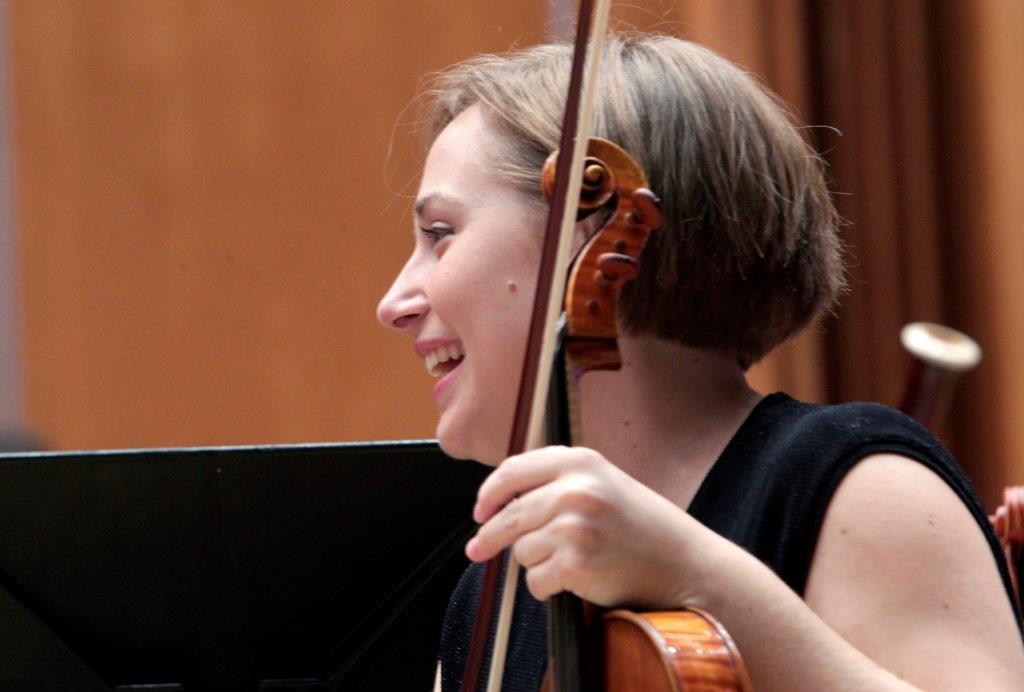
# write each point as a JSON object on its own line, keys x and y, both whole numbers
{"x": 903, "y": 572}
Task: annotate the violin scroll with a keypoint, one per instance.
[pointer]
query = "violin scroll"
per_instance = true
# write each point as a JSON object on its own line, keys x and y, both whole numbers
{"x": 596, "y": 187}
{"x": 612, "y": 180}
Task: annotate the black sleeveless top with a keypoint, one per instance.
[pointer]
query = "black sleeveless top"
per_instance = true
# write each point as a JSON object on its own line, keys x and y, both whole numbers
{"x": 768, "y": 493}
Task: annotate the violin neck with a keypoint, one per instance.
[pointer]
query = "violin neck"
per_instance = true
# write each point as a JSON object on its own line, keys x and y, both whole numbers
{"x": 568, "y": 644}
{"x": 561, "y": 425}
{"x": 568, "y": 634}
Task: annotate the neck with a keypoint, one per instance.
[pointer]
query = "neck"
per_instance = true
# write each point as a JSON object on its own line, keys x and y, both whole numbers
{"x": 666, "y": 416}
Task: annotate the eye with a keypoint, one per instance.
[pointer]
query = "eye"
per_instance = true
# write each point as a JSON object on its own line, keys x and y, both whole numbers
{"x": 436, "y": 233}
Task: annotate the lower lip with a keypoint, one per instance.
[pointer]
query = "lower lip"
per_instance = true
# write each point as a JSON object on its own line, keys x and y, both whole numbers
{"x": 445, "y": 383}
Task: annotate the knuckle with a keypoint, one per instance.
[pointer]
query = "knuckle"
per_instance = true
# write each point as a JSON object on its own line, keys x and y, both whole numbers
{"x": 575, "y": 457}
{"x": 584, "y": 457}
{"x": 577, "y": 531}
{"x": 510, "y": 517}
{"x": 583, "y": 497}
{"x": 574, "y": 566}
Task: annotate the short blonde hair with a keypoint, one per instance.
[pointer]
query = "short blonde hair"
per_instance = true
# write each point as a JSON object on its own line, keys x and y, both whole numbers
{"x": 749, "y": 253}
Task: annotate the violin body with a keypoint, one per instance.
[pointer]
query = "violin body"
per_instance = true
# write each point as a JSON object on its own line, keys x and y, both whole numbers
{"x": 673, "y": 651}
{"x": 667, "y": 651}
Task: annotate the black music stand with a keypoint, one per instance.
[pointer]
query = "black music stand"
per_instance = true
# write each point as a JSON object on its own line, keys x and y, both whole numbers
{"x": 313, "y": 567}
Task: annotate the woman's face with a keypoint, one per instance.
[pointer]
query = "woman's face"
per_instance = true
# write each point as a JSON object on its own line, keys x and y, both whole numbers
{"x": 466, "y": 292}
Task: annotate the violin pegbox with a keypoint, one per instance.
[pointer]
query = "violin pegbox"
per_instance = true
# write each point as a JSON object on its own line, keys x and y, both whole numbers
{"x": 612, "y": 181}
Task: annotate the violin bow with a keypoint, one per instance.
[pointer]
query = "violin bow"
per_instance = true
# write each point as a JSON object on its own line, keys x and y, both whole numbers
{"x": 528, "y": 423}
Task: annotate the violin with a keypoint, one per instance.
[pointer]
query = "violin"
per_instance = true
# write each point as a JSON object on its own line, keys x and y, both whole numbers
{"x": 620, "y": 649}
{"x": 569, "y": 337}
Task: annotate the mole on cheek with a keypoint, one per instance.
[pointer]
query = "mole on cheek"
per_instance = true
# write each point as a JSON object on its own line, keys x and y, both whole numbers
{"x": 512, "y": 288}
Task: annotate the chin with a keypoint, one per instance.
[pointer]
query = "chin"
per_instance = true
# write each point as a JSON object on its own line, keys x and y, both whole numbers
{"x": 462, "y": 444}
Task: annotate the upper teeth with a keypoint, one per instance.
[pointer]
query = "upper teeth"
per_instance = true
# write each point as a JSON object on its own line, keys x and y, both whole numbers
{"x": 442, "y": 354}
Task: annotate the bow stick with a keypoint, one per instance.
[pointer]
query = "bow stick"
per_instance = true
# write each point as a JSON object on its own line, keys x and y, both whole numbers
{"x": 527, "y": 428}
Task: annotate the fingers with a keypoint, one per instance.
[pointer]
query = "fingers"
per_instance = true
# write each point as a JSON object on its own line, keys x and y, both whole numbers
{"x": 520, "y": 516}
{"x": 549, "y": 505}
{"x": 545, "y": 580}
{"x": 522, "y": 473}
{"x": 562, "y": 571}
{"x": 534, "y": 548}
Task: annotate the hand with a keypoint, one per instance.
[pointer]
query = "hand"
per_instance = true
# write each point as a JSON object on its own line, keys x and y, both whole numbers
{"x": 578, "y": 523}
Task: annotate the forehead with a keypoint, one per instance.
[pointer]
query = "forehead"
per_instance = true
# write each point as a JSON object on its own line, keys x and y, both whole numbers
{"x": 463, "y": 179}
{"x": 460, "y": 155}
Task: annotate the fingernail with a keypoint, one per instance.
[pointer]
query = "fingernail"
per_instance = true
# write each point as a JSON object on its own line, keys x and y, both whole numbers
{"x": 471, "y": 548}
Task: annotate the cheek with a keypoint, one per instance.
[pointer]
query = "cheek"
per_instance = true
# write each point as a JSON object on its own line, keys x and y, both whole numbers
{"x": 481, "y": 289}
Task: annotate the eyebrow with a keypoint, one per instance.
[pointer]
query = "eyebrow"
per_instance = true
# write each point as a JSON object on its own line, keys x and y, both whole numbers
{"x": 435, "y": 198}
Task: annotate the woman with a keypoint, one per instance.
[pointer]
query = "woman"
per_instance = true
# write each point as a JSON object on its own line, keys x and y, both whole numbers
{"x": 839, "y": 546}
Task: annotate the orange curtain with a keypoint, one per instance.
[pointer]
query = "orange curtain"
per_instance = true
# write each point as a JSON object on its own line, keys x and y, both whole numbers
{"x": 979, "y": 145}
{"x": 927, "y": 162}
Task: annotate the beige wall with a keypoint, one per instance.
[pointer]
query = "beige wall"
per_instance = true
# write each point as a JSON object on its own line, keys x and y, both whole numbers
{"x": 206, "y": 219}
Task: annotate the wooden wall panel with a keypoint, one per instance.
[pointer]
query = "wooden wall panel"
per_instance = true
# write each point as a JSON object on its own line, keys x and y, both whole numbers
{"x": 206, "y": 217}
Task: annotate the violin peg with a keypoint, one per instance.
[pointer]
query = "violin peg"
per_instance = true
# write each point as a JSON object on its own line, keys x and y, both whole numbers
{"x": 618, "y": 266}
{"x": 646, "y": 209}
{"x": 593, "y": 175}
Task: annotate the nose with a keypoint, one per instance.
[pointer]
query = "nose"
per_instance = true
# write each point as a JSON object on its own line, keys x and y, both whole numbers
{"x": 405, "y": 304}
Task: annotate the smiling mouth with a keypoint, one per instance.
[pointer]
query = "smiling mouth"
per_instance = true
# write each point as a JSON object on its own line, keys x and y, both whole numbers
{"x": 443, "y": 360}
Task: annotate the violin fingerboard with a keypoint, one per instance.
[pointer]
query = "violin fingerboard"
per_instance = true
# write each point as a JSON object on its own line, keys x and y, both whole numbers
{"x": 567, "y": 644}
